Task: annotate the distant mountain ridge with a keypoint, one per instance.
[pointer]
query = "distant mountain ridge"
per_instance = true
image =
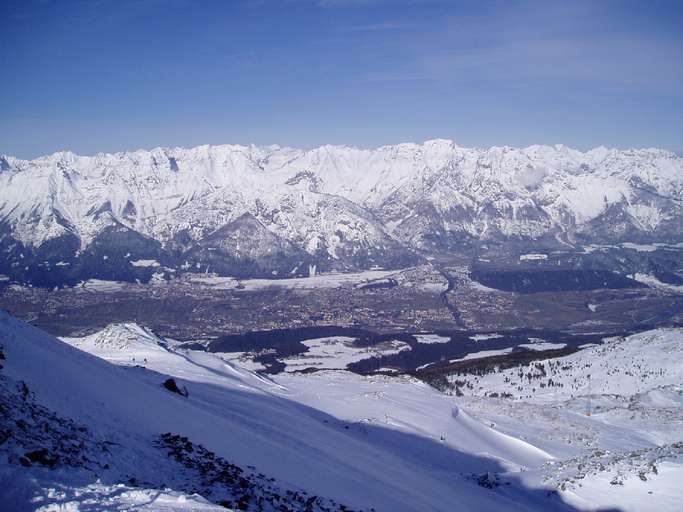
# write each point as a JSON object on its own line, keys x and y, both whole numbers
{"x": 277, "y": 211}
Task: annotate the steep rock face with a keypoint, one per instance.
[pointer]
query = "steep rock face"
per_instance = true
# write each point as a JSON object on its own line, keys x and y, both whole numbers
{"x": 248, "y": 210}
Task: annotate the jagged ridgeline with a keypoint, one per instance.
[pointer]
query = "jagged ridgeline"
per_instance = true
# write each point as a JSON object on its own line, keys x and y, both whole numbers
{"x": 276, "y": 212}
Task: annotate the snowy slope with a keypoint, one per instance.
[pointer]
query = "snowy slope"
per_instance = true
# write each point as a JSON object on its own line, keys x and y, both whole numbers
{"x": 121, "y": 342}
{"x": 249, "y": 421}
{"x": 334, "y": 205}
{"x": 636, "y": 422}
{"x": 612, "y": 415}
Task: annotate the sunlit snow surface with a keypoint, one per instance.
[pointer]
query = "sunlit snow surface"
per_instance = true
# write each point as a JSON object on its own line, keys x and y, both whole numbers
{"x": 329, "y": 280}
{"x": 337, "y": 352}
{"x": 431, "y": 338}
{"x": 392, "y": 443}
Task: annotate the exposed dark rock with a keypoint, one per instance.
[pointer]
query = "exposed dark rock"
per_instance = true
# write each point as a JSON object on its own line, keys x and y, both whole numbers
{"x": 43, "y": 457}
{"x": 171, "y": 385}
{"x": 32, "y": 434}
{"x": 229, "y": 485}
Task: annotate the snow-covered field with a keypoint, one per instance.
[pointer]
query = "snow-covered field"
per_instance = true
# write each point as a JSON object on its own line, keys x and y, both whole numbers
{"x": 484, "y": 337}
{"x": 319, "y": 281}
{"x": 117, "y": 439}
{"x": 484, "y": 353}
{"x": 337, "y": 352}
{"x": 652, "y": 281}
{"x": 632, "y": 246}
{"x": 329, "y": 280}
{"x": 330, "y": 353}
{"x": 542, "y": 345}
{"x": 100, "y": 285}
{"x": 431, "y": 338}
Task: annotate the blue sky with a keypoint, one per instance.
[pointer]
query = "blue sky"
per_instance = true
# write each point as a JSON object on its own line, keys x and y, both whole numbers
{"x": 111, "y": 75}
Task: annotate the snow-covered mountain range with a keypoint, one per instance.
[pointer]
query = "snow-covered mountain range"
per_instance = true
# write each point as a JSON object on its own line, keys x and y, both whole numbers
{"x": 277, "y": 211}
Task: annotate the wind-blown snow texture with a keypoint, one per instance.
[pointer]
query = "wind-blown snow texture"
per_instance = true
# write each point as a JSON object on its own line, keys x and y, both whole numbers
{"x": 273, "y": 211}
